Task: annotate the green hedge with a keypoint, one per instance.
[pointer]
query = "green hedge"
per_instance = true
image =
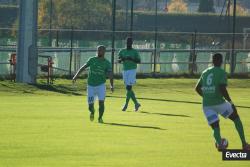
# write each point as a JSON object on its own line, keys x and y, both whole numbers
{"x": 8, "y": 15}
{"x": 189, "y": 22}
{"x": 166, "y": 22}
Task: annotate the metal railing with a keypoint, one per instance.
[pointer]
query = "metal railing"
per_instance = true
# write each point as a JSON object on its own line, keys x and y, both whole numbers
{"x": 188, "y": 52}
{"x": 168, "y": 59}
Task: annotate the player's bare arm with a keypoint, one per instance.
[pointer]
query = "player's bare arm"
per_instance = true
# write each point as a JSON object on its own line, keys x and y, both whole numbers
{"x": 79, "y": 72}
{"x": 224, "y": 92}
{"x": 138, "y": 61}
{"x": 120, "y": 60}
{"x": 198, "y": 89}
{"x": 135, "y": 60}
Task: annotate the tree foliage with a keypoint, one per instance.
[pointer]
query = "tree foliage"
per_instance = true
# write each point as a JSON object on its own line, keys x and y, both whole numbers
{"x": 240, "y": 10}
{"x": 178, "y": 6}
{"x": 87, "y": 14}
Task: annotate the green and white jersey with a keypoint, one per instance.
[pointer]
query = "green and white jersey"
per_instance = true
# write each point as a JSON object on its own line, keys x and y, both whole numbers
{"x": 210, "y": 81}
{"x": 128, "y": 64}
{"x": 98, "y": 69}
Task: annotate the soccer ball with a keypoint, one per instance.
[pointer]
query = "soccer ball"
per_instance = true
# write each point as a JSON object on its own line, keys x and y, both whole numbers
{"x": 223, "y": 145}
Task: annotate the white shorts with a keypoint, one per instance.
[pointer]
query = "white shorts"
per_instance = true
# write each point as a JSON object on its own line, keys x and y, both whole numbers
{"x": 96, "y": 91}
{"x": 129, "y": 77}
{"x": 211, "y": 112}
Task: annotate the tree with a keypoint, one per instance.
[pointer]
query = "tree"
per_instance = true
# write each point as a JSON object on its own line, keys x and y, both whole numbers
{"x": 43, "y": 17}
{"x": 177, "y": 6}
{"x": 240, "y": 10}
{"x": 88, "y": 14}
{"x": 206, "y": 6}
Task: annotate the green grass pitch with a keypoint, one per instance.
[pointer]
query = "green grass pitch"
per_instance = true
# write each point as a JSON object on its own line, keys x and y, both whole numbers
{"x": 49, "y": 126}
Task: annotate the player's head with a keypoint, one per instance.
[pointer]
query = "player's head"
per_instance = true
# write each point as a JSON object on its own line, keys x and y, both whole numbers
{"x": 217, "y": 59}
{"x": 101, "y": 50}
{"x": 129, "y": 42}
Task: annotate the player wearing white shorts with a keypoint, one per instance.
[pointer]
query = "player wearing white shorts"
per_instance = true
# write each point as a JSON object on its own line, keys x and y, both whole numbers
{"x": 216, "y": 101}
{"x": 129, "y": 57}
{"x": 99, "y": 68}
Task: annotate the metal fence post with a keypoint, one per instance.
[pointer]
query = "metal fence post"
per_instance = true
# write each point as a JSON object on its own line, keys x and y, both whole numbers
{"x": 113, "y": 34}
{"x": 71, "y": 51}
{"x": 126, "y": 26}
{"x": 156, "y": 36}
{"x": 190, "y": 66}
{"x": 50, "y": 23}
{"x": 132, "y": 18}
{"x": 193, "y": 56}
{"x": 57, "y": 36}
{"x": 233, "y": 62}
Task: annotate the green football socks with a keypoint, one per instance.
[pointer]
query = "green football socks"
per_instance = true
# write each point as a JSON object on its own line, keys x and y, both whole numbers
{"x": 91, "y": 108}
{"x": 92, "y": 112}
{"x": 131, "y": 94}
{"x": 128, "y": 97}
{"x": 217, "y": 135}
{"x": 133, "y": 97}
{"x": 101, "y": 110}
{"x": 240, "y": 130}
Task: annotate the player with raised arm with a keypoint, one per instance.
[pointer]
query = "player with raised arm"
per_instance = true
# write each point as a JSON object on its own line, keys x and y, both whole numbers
{"x": 129, "y": 57}
{"x": 99, "y": 67}
{"x": 216, "y": 100}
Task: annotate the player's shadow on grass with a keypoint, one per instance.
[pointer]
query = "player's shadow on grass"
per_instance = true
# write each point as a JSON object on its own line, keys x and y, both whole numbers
{"x": 164, "y": 100}
{"x": 58, "y": 89}
{"x": 165, "y": 114}
{"x": 172, "y": 101}
{"x": 17, "y": 89}
{"x": 134, "y": 126}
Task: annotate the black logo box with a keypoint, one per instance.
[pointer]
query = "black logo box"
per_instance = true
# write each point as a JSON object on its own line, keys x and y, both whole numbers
{"x": 235, "y": 155}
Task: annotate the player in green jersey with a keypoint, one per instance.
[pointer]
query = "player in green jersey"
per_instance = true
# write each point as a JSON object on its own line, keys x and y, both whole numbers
{"x": 216, "y": 100}
{"x": 130, "y": 58}
{"x": 99, "y": 67}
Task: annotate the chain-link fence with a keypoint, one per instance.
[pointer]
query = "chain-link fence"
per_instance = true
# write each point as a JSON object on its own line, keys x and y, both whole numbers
{"x": 170, "y": 53}
{"x": 170, "y": 41}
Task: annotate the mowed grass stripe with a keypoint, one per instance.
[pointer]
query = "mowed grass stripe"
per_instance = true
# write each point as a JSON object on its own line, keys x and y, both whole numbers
{"x": 49, "y": 128}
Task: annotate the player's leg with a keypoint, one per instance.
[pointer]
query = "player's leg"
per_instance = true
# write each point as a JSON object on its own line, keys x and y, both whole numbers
{"x": 128, "y": 96}
{"x": 239, "y": 127}
{"x": 101, "y": 96}
{"x": 132, "y": 95}
{"x": 216, "y": 131}
{"x": 91, "y": 99}
{"x": 101, "y": 111}
{"x": 220, "y": 145}
{"x": 213, "y": 121}
{"x": 132, "y": 80}
{"x": 129, "y": 78}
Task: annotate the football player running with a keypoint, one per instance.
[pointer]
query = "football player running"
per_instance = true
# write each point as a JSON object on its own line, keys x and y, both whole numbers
{"x": 99, "y": 68}
{"x": 212, "y": 87}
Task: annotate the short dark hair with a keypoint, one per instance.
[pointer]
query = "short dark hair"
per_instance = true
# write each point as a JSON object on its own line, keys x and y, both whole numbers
{"x": 101, "y": 47}
{"x": 217, "y": 57}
